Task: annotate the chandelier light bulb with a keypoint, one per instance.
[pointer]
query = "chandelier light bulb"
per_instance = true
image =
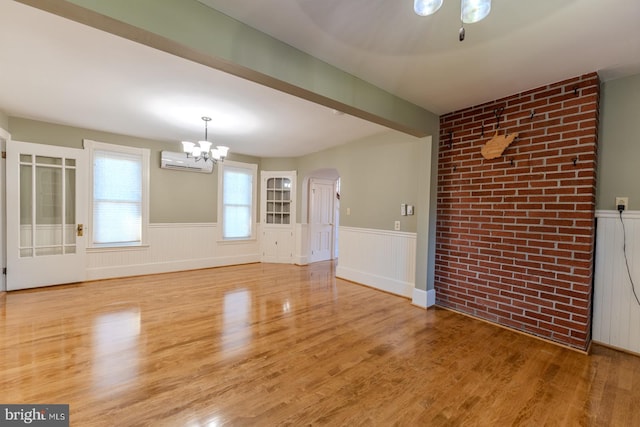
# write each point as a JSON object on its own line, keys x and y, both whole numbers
{"x": 202, "y": 150}
{"x": 204, "y": 146}
{"x": 223, "y": 151}
{"x": 426, "y": 7}
{"x": 474, "y": 10}
{"x": 187, "y": 146}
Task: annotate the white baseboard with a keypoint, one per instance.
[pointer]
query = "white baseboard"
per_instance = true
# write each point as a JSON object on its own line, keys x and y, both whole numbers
{"x": 301, "y": 260}
{"x": 431, "y": 298}
{"x": 424, "y": 299}
{"x": 168, "y": 267}
{"x": 383, "y": 283}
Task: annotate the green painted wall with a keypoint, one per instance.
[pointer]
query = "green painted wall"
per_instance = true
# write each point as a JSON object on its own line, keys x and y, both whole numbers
{"x": 377, "y": 174}
{"x": 279, "y": 164}
{"x": 431, "y": 235}
{"x": 619, "y": 143}
{"x": 4, "y": 121}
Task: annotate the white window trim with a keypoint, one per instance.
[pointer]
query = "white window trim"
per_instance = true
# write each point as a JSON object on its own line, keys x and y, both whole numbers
{"x": 91, "y": 146}
{"x": 254, "y": 200}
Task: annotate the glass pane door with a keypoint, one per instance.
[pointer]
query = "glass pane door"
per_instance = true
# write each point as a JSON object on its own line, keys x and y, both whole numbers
{"x": 46, "y": 212}
{"x": 47, "y": 206}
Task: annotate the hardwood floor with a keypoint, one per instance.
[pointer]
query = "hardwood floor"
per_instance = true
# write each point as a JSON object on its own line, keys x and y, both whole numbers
{"x": 268, "y": 344}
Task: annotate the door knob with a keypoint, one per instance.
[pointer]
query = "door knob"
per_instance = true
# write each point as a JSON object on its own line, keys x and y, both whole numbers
{"x": 80, "y": 230}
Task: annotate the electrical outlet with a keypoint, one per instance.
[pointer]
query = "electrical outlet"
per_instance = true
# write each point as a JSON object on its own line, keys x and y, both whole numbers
{"x": 396, "y": 226}
{"x": 622, "y": 201}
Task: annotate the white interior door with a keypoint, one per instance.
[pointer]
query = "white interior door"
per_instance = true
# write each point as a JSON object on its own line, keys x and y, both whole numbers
{"x": 321, "y": 202}
{"x": 46, "y": 209}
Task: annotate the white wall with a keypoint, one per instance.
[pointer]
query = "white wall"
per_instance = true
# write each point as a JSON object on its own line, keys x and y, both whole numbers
{"x": 172, "y": 247}
{"x": 616, "y": 314}
{"x": 381, "y": 259}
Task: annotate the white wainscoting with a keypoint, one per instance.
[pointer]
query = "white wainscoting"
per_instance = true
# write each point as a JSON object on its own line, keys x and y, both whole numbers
{"x": 381, "y": 259}
{"x": 171, "y": 247}
{"x": 301, "y": 254}
{"x": 616, "y": 314}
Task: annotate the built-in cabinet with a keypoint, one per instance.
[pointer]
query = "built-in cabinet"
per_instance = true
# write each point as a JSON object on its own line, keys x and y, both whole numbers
{"x": 278, "y": 216}
{"x": 278, "y": 200}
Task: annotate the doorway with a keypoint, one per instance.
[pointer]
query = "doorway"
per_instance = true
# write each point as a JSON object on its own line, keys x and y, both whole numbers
{"x": 321, "y": 203}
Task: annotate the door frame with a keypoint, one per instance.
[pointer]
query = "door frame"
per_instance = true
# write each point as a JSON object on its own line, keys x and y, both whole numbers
{"x": 304, "y": 237}
{"x": 333, "y": 182}
{"x": 5, "y": 136}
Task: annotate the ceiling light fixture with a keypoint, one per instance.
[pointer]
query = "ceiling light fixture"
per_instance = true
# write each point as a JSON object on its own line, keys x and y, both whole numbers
{"x": 471, "y": 11}
{"x": 203, "y": 150}
{"x": 426, "y": 7}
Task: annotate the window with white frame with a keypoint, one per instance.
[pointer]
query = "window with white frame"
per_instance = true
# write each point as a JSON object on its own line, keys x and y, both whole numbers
{"x": 119, "y": 194}
{"x": 237, "y": 196}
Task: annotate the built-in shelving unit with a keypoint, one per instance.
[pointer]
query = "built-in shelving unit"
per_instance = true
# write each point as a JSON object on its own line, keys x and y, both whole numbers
{"x": 278, "y": 215}
{"x": 278, "y": 202}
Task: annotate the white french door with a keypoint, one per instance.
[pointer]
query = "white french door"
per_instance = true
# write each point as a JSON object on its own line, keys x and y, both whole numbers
{"x": 321, "y": 202}
{"x": 46, "y": 213}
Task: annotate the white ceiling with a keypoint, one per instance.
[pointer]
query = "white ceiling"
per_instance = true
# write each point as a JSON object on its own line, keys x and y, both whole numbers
{"x": 521, "y": 45}
{"x": 56, "y": 70}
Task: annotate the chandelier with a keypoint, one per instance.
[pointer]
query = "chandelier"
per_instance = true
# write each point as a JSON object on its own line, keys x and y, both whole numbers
{"x": 202, "y": 150}
{"x": 471, "y": 11}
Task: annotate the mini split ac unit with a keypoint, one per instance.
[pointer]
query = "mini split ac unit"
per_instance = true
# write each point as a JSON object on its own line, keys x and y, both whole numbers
{"x": 180, "y": 162}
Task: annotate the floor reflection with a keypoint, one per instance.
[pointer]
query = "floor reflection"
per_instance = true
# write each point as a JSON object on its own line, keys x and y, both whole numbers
{"x": 271, "y": 345}
{"x": 115, "y": 350}
{"x": 236, "y": 331}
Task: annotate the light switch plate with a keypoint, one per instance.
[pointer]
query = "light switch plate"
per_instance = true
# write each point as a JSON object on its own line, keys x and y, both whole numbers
{"x": 403, "y": 209}
{"x": 409, "y": 209}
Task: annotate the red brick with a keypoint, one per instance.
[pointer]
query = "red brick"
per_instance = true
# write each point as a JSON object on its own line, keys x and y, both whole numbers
{"x": 514, "y": 242}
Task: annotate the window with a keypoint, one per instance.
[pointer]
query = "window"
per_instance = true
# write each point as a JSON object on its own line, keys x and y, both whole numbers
{"x": 238, "y": 195}
{"x": 119, "y": 194}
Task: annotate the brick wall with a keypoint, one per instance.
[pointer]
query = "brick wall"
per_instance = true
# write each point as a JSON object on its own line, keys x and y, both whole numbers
{"x": 515, "y": 235}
